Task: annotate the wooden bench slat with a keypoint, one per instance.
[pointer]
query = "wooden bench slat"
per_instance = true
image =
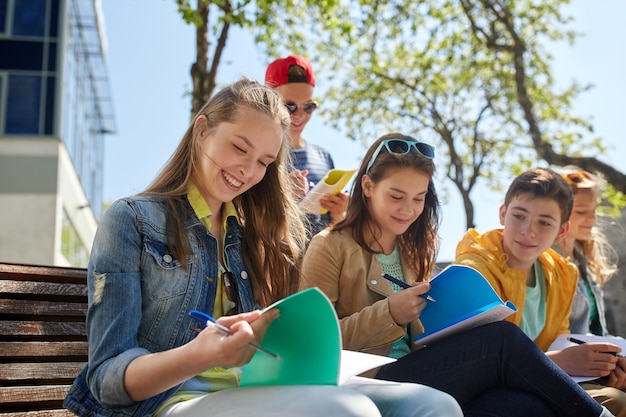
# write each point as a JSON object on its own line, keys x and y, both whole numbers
{"x": 32, "y": 289}
{"x": 41, "y": 328}
{"x": 43, "y": 308}
{"x": 13, "y": 372}
{"x": 43, "y": 339}
{"x": 45, "y": 273}
{"x": 43, "y": 401}
{"x": 40, "y": 413}
{"x": 28, "y": 349}
{"x": 41, "y": 393}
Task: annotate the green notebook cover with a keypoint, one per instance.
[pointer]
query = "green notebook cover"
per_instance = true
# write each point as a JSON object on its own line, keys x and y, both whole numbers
{"x": 307, "y": 338}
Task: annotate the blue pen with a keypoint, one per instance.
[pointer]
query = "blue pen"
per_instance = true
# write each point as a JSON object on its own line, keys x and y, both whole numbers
{"x": 210, "y": 321}
{"x": 405, "y": 285}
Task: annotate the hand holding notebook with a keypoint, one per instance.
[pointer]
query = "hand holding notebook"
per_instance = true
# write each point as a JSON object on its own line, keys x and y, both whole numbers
{"x": 334, "y": 181}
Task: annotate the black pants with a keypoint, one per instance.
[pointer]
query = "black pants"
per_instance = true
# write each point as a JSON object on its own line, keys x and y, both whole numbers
{"x": 495, "y": 370}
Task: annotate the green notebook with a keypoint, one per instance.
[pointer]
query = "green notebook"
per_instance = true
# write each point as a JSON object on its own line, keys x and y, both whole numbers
{"x": 307, "y": 338}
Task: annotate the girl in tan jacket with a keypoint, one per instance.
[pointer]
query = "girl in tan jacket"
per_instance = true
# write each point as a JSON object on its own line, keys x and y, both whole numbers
{"x": 391, "y": 227}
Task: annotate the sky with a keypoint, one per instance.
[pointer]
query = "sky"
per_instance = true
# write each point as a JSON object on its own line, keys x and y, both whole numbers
{"x": 149, "y": 54}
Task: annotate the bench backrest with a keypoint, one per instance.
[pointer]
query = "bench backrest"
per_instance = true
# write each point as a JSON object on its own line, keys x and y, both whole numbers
{"x": 43, "y": 342}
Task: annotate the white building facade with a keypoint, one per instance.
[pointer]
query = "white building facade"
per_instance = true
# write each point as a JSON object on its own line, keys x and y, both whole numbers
{"x": 55, "y": 112}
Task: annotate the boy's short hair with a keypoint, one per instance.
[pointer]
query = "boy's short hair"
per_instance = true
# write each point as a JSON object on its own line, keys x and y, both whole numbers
{"x": 543, "y": 183}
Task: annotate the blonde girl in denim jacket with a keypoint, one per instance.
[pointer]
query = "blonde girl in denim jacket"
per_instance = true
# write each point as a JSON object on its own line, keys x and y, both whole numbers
{"x": 214, "y": 232}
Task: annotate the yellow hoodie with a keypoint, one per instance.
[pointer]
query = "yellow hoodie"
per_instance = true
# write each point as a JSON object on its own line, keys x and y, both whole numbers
{"x": 484, "y": 252}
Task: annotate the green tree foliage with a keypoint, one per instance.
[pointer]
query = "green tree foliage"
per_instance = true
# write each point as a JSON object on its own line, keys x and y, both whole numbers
{"x": 427, "y": 68}
{"x": 292, "y": 22}
{"x": 499, "y": 25}
{"x": 471, "y": 77}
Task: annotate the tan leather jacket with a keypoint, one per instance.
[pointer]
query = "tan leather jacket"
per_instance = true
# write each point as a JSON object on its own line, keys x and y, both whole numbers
{"x": 351, "y": 278}
{"x": 484, "y": 253}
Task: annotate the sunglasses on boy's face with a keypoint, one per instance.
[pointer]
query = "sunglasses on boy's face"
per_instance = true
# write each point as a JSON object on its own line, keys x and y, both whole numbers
{"x": 401, "y": 147}
{"x": 308, "y": 107}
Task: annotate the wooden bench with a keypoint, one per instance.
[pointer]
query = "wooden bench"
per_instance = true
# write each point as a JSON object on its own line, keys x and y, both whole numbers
{"x": 43, "y": 342}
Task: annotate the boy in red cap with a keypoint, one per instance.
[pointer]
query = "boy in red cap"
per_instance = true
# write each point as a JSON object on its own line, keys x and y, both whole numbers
{"x": 292, "y": 77}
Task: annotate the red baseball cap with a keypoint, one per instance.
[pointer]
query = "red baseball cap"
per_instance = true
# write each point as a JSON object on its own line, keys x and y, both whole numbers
{"x": 277, "y": 73}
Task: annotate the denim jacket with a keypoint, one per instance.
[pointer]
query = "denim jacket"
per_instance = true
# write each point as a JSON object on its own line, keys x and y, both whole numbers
{"x": 140, "y": 297}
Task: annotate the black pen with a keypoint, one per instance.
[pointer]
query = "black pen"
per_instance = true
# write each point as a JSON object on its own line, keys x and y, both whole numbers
{"x": 405, "y": 285}
{"x": 582, "y": 342}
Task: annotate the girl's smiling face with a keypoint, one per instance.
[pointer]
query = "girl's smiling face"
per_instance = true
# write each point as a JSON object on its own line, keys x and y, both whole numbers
{"x": 235, "y": 155}
{"x": 583, "y": 217}
{"x": 395, "y": 202}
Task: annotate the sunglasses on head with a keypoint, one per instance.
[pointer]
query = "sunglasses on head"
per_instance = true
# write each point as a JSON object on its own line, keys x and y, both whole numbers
{"x": 575, "y": 178}
{"x": 401, "y": 147}
{"x": 308, "y": 107}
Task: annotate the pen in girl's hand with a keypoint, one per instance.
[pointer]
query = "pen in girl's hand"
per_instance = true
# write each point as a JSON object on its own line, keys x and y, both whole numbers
{"x": 405, "y": 285}
{"x": 582, "y": 342}
{"x": 210, "y": 321}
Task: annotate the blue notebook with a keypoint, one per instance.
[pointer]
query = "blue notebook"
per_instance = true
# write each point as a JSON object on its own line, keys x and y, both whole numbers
{"x": 465, "y": 299}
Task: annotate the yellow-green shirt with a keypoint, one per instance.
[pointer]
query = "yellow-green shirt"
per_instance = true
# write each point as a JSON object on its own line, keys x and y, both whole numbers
{"x": 202, "y": 210}
{"x": 214, "y": 379}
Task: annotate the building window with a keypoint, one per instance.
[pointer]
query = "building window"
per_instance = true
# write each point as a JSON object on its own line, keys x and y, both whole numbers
{"x": 21, "y": 55}
{"x": 29, "y": 18}
{"x": 2, "y": 89}
{"x": 23, "y": 104}
{"x": 3, "y": 16}
{"x": 71, "y": 246}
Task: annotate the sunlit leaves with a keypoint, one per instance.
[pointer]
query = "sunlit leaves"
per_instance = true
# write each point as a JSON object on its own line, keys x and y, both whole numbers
{"x": 441, "y": 70}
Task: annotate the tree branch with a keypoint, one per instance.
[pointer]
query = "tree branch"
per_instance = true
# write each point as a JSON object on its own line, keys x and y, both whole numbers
{"x": 543, "y": 147}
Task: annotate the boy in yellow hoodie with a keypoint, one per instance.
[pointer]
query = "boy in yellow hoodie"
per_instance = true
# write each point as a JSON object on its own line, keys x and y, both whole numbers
{"x": 521, "y": 266}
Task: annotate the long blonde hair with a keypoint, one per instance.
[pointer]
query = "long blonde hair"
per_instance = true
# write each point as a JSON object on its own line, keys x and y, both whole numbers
{"x": 600, "y": 256}
{"x": 274, "y": 234}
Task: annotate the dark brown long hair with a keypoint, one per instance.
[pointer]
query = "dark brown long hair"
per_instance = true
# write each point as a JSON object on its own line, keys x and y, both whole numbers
{"x": 274, "y": 235}
{"x": 543, "y": 183}
{"x": 420, "y": 243}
